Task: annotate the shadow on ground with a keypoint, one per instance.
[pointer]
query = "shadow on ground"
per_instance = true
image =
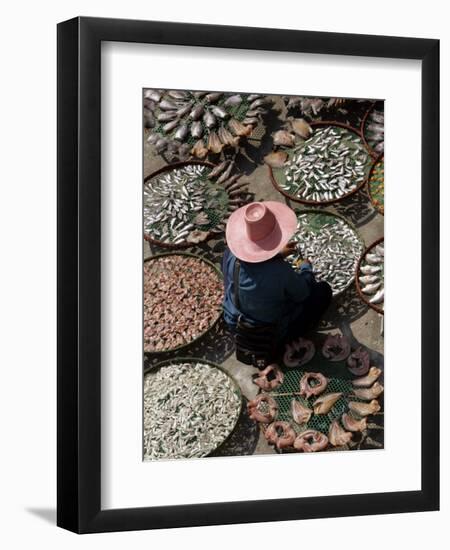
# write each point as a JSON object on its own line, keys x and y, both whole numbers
{"x": 46, "y": 514}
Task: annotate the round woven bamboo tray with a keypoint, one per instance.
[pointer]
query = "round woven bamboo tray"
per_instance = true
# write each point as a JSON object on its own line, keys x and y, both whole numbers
{"x": 194, "y": 360}
{"x": 363, "y": 296}
{"x": 324, "y": 202}
{"x": 169, "y": 168}
{"x": 351, "y": 225}
{"x": 203, "y": 333}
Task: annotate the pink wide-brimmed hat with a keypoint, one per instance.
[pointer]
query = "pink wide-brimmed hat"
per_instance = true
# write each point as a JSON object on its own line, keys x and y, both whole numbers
{"x": 258, "y": 231}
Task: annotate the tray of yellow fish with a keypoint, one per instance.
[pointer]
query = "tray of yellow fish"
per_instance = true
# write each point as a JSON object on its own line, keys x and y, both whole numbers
{"x": 187, "y": 203}
{"x": 370, "y": 276}
{"x": 191, "y": 407}
{"x": 375, "y": 185}
{"x": 319, "y": 163}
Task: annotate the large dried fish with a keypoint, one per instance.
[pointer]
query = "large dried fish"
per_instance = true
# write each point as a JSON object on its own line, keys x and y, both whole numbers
{"x": 369, "y": 379}
{"x": 300, "y": 413}
{"x": 353, "y": 425}
{"x": 182, "y": 132}
{"x": 238, "y": 128}
{"x": 219, "y": 112}
{"x": 196, "y": 129}
{"x": 364, "y": 409}
{"x": 209, "y": 119}
{"x": 337, "y": 436}
{"x": 325, "y": 403}
{"x": 369, "y": 393}
{"x": 197, "y": 112}
{"x": 199, "y": 150}
{"x": 214, "y": 143}
{"x": 233, "y": 101}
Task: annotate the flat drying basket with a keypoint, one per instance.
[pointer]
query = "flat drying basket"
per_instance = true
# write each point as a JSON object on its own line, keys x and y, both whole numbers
{"x": 193, "y": 360}
{"x": 214, "y": 219}
{"x": 219, "y": 314}
{"x": 277, "y": 174}
{"x": 332, "y": 215}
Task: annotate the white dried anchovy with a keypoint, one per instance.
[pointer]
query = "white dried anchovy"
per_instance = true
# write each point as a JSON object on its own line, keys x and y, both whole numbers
{"x": 173, "y": 199}
{"x": 330, "y": 164}
{"x": 189, "y": 410}
{"x": 371, "y": 275}
{"x": 334, "y": 250}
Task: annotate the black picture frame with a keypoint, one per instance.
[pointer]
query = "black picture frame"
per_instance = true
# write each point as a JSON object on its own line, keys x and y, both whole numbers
{"x": 79, "y": 280}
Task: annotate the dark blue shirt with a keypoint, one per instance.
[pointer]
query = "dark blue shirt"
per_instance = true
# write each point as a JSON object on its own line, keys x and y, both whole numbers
{"x": 269, "y": 292}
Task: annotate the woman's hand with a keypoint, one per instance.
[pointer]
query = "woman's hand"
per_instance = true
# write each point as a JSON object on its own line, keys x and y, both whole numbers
{"x": 288, "y": 249}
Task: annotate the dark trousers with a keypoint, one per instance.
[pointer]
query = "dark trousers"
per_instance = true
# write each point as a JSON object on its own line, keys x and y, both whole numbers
{"x": 312, "y": 311}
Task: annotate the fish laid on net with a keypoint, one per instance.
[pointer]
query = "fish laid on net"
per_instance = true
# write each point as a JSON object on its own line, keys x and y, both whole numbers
{"x": 182, "y": 122}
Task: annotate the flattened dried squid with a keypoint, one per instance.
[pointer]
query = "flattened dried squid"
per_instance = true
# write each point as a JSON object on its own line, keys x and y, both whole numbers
{"x": 307, "y": 389}
{"x": 310, "y": 441}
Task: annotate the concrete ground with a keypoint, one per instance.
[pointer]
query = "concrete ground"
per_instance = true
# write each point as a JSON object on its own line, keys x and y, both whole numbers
{"x": 348, "y": 313}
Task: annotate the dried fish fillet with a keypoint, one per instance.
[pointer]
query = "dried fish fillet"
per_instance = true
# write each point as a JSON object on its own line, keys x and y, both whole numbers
{"x": 325, "y": 403}
{"x": 311, "y": 441}
{"x": 353, "y": 425}
{"x": 300, "y": 413}
{"x": 369, "y": 393}
{"x": 337, "y": 436}
{"x": 365, "y": 381}
{"x": 364, "y": 409}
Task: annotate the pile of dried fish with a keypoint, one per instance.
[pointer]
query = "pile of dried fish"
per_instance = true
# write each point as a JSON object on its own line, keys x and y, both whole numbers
{"x": 329, "y": 165}
{"x": 183, "y": 205}
{"x": 371, "y": 275}
{"x": 200, "y": 123}
{"x": 374, "y": 130}
{"x": 182, "y": 299}
{"x": 332, "y": 246}
{"x": 189, "y": 410}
